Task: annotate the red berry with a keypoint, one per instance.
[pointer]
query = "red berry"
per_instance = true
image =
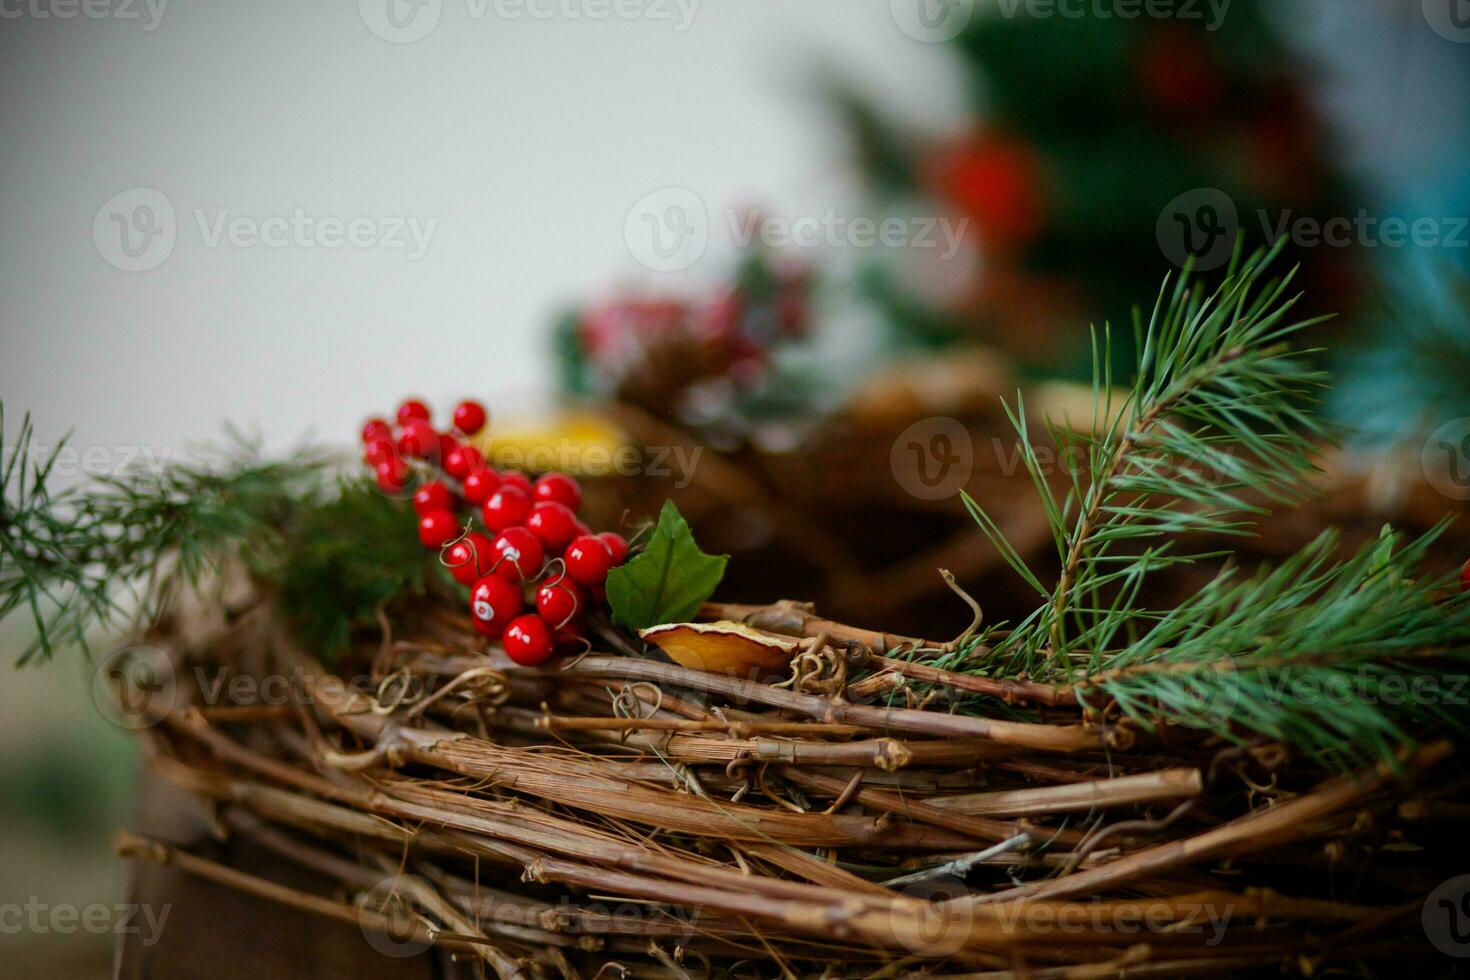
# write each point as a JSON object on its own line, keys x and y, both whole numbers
{"x": 460, "y": 461}
{"x": 588, "y": 560}
{"x": 1465, "y": 576}
{"x": 494, "y": 603}
{"x": 392, "y": 475}
{"x": 412, "y": 409}
{"x": 418, "y": 439}
{"x": 469, "y": 417}
{"x": 437, "y": 527}
{"x": 560, "y": 488}
{"x": 518, "y": 553}
{"x": 376, "y": 429}
{"x": 448, "y": 443}
{"x": 518, "y": 480}
{"x": 480, "y": 483}
{"x": 553, "y": 523}
{"x": 559, "y": 600}
{"x": 469, "y": 558}
{"x": 582, "y": 528}
{"x": 432, "y": 496}
{"x": 617, "y": 545}
{"x": 527, "y": 640}
{"x": 379, "y": 450}
{"x": 507, "y": 507}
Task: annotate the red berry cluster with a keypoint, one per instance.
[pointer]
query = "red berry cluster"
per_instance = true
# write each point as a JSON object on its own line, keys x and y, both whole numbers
{"x": 539, "y": 545}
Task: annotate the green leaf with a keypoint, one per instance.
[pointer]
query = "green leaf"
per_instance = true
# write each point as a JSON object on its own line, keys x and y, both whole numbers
{"x": 669, "y": 581}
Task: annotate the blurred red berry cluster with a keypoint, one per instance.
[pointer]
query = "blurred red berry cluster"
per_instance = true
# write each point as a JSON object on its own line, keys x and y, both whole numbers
{"x": 648, "y": 348}
{"x": 534, "y": 552}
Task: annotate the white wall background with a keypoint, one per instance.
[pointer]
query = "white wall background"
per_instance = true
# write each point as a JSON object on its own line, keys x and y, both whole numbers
{"x": 526, "y": 139}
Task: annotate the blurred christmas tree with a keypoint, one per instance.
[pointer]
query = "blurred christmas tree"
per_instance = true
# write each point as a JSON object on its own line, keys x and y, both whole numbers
{"x": 1099, "y": 149}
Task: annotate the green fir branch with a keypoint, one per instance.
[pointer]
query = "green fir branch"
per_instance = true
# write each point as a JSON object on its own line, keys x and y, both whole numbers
{"x": 86, "y": 556}
{"x": 1331, "y": 657}
{"x": 109, "y": 554}
{"x": 1216, "y": 426}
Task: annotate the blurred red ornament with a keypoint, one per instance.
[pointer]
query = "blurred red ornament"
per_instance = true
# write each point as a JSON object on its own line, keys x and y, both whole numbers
{"x": 997, "y": 182}
{"x": 1177, "y": 73}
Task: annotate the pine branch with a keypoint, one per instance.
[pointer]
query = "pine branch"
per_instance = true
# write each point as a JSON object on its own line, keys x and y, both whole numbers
{"x": 1331, "y": 657}
{"x": 1215, "y": 416}
{"x": 1216, "y": 421}
{"x": 84, "y": 557}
